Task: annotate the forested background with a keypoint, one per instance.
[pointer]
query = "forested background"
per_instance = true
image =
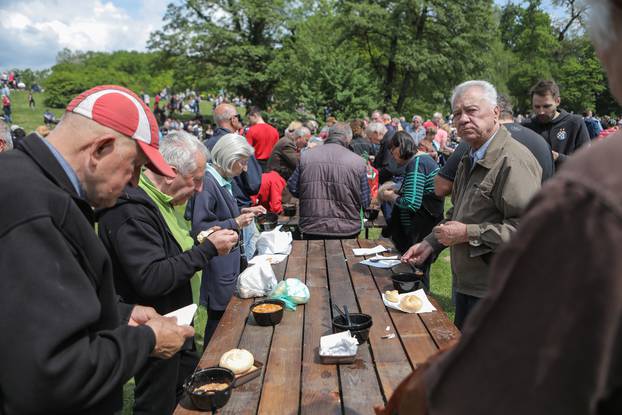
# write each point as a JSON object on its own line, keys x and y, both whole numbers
{"x": 296, "y": 57}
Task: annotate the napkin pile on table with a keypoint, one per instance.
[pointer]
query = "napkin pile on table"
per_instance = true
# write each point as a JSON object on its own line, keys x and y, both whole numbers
{"x": 338, "y": 344}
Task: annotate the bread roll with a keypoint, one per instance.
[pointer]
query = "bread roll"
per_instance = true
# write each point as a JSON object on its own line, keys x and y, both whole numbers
{"x": 237, "y": 360}
{"x": 392, "y": 296}
{"x": 202, "y": 236}
{"x": 411, "y": 303}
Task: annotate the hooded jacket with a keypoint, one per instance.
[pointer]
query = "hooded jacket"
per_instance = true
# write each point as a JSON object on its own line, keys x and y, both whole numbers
{"x": 64, "y": 346}
{"x": 150, "y": 267}
{"x": 565, "y": 134}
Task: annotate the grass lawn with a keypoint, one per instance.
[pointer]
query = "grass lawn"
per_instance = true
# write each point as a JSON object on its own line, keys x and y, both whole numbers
{"x": 30, "y": 119}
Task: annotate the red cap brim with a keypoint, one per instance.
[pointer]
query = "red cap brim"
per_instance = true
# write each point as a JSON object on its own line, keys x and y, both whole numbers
{"x": 156, "y": 161}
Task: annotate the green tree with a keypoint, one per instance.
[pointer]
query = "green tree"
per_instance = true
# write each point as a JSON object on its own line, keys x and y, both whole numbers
{"x": 232, "y": 41}
{"x": 314, "y": 74}
{"x": 421, "y": 49}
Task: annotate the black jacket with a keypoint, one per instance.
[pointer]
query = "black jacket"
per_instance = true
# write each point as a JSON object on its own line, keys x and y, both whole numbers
{"x": 64, "y": 348}
{"x": 361, "y": 146}
{"x": 150, "y": 267}
{"x": 565, "y": 134}
{"x": 246, "y": 184}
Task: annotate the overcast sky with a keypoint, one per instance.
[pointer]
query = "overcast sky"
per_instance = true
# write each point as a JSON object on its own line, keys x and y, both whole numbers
{"x": 34, "y": 31}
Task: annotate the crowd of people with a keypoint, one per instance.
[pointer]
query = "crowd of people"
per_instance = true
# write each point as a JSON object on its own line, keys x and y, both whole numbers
{"x": 110, "y": 219}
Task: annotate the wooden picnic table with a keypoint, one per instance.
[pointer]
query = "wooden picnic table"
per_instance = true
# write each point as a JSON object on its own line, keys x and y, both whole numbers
{"x": 293, "y": 380}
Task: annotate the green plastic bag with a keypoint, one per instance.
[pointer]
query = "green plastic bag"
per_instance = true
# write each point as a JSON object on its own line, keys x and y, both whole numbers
{"x": 292, "y": 292}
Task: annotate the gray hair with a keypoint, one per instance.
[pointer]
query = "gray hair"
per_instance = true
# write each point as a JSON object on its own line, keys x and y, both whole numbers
{"x": 340, "y": 131}
{"x": 312, "y": 125}
{"x": 179, "y": 149}
{"x": 229, "y": 149}
{"x": 5, "y": 135}
{"x": 417, "y": 117}
{"x": 602, "y": 22}
{"x": 490, "y": 93}
{"x": 301, "y": 132}
{"x": 376, "y": 127}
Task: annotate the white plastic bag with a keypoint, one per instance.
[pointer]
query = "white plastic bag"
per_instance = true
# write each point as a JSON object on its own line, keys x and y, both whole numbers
{"x": 274, "y": 242}
{"x": 256, "y": 281}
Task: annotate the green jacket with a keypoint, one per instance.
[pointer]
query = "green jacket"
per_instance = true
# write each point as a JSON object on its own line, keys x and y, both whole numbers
{"x": 490, "y": 200}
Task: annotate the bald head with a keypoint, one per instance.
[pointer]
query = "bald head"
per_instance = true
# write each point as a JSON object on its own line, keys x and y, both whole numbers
{"x": 223, "y": 115}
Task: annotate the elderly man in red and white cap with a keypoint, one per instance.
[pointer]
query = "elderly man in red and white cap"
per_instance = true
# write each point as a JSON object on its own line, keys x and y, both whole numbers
{"x": 68, "y": 345}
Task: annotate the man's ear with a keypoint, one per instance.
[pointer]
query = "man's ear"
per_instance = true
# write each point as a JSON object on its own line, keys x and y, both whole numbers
{"x": 2, "y": 146}
{"x": 558, "y": 101}
{"x": 169, "y": 180}
{"x": 101, "y": 147}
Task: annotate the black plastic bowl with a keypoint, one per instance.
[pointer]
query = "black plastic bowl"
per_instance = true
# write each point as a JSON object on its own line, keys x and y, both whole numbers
{"x": 405, "y": 282}
{"x": 289, "y": 209}
{"x": 268, "y": 221}
{"x": 268, "y": 319}
{"x": 209, "y": 401}
{"x": 359, "y": 327}
{"x": 371, "y": 214}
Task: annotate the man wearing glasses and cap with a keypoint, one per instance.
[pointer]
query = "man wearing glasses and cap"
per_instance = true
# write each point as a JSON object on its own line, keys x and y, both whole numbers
{"x": 68, "y": 345}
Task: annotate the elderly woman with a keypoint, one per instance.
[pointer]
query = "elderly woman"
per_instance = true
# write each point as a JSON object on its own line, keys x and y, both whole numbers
{"x": 215, "y": 205}
{"x": 416, "y": 210}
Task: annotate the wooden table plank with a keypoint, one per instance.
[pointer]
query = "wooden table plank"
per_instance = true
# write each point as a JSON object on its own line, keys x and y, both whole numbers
{"x": 256, "y": 339}
{"x": 320, "y": 383}
{"x": 390, "y": 358}
{"x": 280, "y": 394}
{"x": 439, "y": 327}
{"x": 360, "y": 389}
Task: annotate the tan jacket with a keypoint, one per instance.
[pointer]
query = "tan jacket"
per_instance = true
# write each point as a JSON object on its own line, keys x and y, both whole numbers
{"x": 489, "y": 199}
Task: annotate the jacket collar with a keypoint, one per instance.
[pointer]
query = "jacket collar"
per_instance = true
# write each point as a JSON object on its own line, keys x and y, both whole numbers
{"x": 40, "y": 153}
{"x": 495, "y": 149}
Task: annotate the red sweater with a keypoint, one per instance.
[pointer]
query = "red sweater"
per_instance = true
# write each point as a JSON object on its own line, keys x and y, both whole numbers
{"x": 270, "y": 192}
{"x": 262, "y": 137}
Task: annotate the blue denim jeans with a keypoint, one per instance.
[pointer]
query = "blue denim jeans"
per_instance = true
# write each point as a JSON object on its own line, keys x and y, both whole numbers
{"x": 248, "y": 233}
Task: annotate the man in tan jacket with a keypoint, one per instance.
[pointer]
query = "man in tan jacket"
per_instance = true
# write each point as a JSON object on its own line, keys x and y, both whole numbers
{"x": 495, "y": 181}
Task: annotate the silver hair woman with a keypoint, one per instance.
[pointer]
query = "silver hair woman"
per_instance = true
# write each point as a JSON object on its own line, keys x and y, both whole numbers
{"x": 230, "y": 155}
{"x": 215, "y": 205}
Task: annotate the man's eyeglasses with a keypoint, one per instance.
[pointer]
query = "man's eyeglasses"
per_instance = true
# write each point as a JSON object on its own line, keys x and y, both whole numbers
{"x": 238, "y": 116}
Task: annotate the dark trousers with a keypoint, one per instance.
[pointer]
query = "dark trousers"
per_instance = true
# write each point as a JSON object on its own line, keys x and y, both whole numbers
{"x": 464, "y": 305}
{"x": 159, "y": 384}
{"x": 213, "y": 318}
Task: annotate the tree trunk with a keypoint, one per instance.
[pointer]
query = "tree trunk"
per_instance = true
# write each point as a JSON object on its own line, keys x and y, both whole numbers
{"x": 390, "y": 73}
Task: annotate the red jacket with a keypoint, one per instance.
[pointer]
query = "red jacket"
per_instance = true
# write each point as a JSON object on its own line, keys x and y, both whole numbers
{"x": 270, "y": 192}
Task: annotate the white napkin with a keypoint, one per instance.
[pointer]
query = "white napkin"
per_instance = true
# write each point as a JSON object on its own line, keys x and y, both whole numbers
{"x": 272, "y": 259}
{"x": 338, "y": 344}
{"x": 425, "y": 308}
{"x": 384, "y": 263}
{"x": 184, "y": 315}
{"x": 368, "y": 251}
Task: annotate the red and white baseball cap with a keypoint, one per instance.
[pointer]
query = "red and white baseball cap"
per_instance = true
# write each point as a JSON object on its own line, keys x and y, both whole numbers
{"x": 119, "y": 108}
